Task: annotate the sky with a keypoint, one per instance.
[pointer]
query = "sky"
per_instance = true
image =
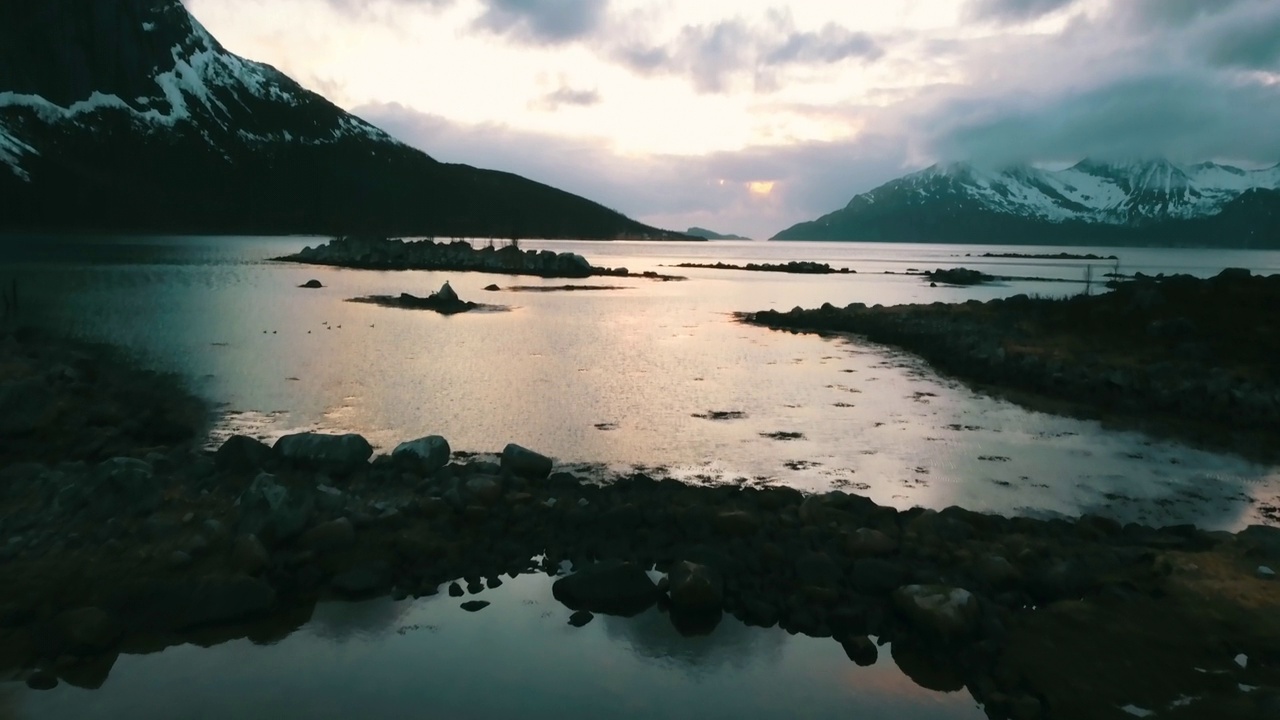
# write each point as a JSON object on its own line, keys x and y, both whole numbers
{"x": 747, "y": 116}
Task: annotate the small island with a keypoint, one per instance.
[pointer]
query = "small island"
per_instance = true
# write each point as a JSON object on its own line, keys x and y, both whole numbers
{"x": 1052, "y": 256}
{"x": 444, "y": 301}
{"x": 705, "y": 234}
{"x": 381, "y": 253}
{"x": 802, "y": 267}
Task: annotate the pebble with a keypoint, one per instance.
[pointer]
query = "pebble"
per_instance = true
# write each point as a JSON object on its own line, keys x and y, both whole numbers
{"x": 1266, "y": 573}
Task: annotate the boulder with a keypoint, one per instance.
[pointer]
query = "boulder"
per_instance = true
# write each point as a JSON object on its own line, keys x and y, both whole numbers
{"x": 861, "y": 650}
{"x": 613, "y": 588}
{"x": 248, "y": 555}
{"x": 365, "y": 579}
{"x": 522, "y": 461}
{"x": 475, "y": 605}
{"x": 218, "y": 600}
{"x": 311, "y": 284}
{"x": 242, "y": 454}
{"x": 580, "y": 618}
{"x": 271, "y": 510}
{"x": 329, "y": 536}
{"x": 336, "y": 453}
{"x": 485, "y": 489}
{"x": 735, "y": 523}
{"x": 817, "y": 569}
{"x": 867, "y": 542}
{"x": 695, "y": 588}
{"x": 87, "y": 630}
{"x": 428, "y": 454}
{"x": 446, "y": 294}
{"x": 876, "y": 576}
{"x": 945, "y": 612}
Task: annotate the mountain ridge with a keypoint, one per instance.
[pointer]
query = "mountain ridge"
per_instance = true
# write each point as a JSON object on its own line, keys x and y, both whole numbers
{"x": 1091, "y": 202}
{"x": 135, "y": 118}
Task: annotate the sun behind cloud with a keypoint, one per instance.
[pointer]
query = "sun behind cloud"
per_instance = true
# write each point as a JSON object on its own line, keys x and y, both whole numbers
{"x": 760, "y": 187}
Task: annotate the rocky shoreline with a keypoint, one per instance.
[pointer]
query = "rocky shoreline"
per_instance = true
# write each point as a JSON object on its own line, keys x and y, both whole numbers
{"x": 163, "y": 543}
{"x": 801, "y": 267}
{"x": 1191, "y": 357}
{"x": 380, "y": 253}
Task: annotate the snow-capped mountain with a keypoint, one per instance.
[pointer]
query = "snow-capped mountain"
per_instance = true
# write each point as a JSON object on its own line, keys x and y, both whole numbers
{"x": 128, "y": 114}
{"x": 1091, "y": 201}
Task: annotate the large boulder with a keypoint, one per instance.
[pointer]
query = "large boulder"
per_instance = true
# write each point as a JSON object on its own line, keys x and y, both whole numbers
{"x": 518, "y": 460}
{"x": 336, "y": 453}
{"x": 613, "y": 588}
{"x": 272, "y": 511}
{"x": 446, "y": 294}
{"x": 945, "y": 612}
{"x": 242, "y": 454}
{"x": 695, "y": 588}
{"x": 428, "y": 454}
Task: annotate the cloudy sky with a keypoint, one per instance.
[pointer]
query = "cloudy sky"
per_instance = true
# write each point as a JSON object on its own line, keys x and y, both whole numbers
{"x": 747, "y": 116}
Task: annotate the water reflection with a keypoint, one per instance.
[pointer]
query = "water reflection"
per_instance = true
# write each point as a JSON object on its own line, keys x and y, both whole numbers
{"x": 518, "y": 657}
{"x": 617, "y": 377}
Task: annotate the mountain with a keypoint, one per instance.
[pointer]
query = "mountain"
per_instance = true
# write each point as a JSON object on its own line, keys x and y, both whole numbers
{"x": 696, "y": 231}
{"x": 1091, "y": 203}
{"x": 126, "y": 115}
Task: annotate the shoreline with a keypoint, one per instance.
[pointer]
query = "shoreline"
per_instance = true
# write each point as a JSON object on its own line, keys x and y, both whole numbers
{"x": 1179, "y": 356}
{"x": 176, "y": 543}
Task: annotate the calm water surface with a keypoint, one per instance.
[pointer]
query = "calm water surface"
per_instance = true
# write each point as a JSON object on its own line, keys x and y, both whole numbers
{"x": 614, "y": 378}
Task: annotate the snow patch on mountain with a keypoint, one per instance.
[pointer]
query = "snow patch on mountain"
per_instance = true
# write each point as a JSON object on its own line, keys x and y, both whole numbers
{"x": 11, "y": 151}
{"x": 204, "y": 85}
{"x": 1109, "y": 193}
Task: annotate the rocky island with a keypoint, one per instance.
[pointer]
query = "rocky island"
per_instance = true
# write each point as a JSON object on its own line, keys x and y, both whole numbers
{"x": 444, "y": 301}
{"x": 1191, "y": 356}
{"x": 802, "y": 267}
{"x": 381, "y": 253}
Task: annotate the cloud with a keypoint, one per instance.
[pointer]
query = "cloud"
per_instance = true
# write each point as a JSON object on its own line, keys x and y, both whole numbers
{"x": 672, "y": 191}
{"x": 543, "y": 21}
{"x": 1014, "y": 11}
{"x": 565, "y": 95}
{"x": 372, "y": 8}
{"x": 1189, "y": 118}
{"x": 1250, "y": 41}
{"x": 715, "y": 55}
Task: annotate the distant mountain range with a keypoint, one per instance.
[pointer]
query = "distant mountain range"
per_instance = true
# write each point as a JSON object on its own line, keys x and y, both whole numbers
{"x": 696, "y": 231}
{"x": 1091, "y": 203}
{"x": 126, "y": 115}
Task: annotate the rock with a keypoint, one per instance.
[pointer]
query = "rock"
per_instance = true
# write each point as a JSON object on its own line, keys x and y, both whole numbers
{"x": 695, "y": 588}
{"x": 1266, "y": 573}
{"x": 248, "y": 555}
{"x": 242, "y": 454}
{"x": 446, "y": 294}
{"x": 88, "y": 630}
{"x": 817, "y": 569}
{"x": 455, "y": 590}
{"x": 268, "y": 509}
{"x": 428, "y": 453}
{"x": 580, "y": 618}
{"x": 475, "y": 605}
{"x": 218, "y": 600}
{"x": 866, "y": 542}
{"x": 328, "y": 536}
{"x": 28, "y": 406}
{"x": 946, "y": 612}
{"x": 492, "y": 288}
{"x": 518, "y": 460}
{"x": 119, "y": 487}
{"x": 311, "y": 284}
{"x": 363, "y": 579}
{"x": 996, "y": 572}
{"x": 876, "y": 576}
{"x": 861, "y": 650}
{"x": 486, "y": 489}
{"x": 735, "y": 523}
{"x": 613, "y": 588}
{"x": 759, "y": 613}
{"x": 42, "y": 680}
{"x": 179, "y": 559}
{"x": 335, "y": 453}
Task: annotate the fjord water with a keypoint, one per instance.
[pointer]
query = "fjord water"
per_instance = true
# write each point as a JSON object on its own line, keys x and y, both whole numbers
{"x": 612, "y": 377}
{"x": 617, "y": 376}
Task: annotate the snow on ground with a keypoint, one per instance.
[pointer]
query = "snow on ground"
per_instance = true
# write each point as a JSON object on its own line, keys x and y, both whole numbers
{"x": 11, "y": 151}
